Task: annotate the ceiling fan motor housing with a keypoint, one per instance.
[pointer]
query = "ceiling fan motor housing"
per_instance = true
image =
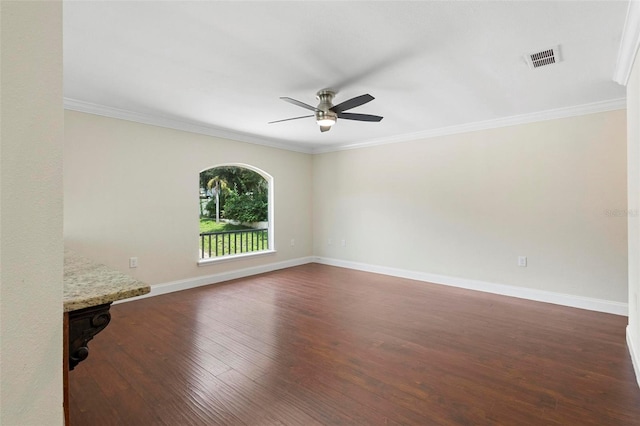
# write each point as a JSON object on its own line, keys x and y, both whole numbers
{"x": 324, "y": 107}
{"x": 326, "y": 115}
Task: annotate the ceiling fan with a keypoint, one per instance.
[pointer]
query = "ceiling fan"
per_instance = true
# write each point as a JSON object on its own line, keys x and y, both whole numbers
{"x": 326, "y": 113}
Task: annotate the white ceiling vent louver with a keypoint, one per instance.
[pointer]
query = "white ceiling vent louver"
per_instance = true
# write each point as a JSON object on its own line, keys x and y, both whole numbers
{"x": 544, "y": 57}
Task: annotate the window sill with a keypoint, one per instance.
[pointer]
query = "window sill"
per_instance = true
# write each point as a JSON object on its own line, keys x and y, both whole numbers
{"x": 229, "y": 258}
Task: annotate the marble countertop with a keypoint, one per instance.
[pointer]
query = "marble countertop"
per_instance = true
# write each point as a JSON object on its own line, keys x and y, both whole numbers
{"x": 87, "y": 283}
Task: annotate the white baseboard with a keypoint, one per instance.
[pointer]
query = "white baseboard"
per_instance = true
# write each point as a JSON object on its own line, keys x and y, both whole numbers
{"x": 592, "y": 304}
{"x": 600, "y": 305}
{"x": 634, "y": 355}
{"x": 188, "y": 283}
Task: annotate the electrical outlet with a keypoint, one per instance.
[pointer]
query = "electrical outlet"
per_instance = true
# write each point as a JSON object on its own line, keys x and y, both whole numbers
{"x": 343, "y": 243}
{"x": 329, "y": 242}
{"x": 293, "y": 242}
{"x": 522, "y": 260}
{"x": 133, "y": 262}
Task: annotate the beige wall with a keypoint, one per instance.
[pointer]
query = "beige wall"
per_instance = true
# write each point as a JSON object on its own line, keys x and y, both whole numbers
{"x": 132, "y": 190}
{"x": 633, "y": 158}
{"x": 31, "y": 247}
{"x": 463, "y": 206}
{"x": 468, "y": 205}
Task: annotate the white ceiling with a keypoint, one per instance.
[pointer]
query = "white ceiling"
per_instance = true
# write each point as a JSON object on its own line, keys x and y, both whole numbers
{"x": 220, "y": 67}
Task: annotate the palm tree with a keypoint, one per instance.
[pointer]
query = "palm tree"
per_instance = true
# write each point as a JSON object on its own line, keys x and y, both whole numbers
{"x": 214, "y": 186}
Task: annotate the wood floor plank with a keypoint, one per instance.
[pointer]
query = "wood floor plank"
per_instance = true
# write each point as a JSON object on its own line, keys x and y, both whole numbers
{"x": 322, "y": 345}
{"x": 85, "y": 403}
{"x": 278, "y": 402}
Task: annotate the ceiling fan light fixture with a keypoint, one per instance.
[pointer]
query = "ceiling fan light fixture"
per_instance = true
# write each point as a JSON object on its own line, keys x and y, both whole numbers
{"x": 326, "y": 118}
{"x": 326, "y": 122}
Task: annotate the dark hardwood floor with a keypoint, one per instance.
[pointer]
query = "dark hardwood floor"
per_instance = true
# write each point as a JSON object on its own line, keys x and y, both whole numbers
{"x": 321, "y": 345}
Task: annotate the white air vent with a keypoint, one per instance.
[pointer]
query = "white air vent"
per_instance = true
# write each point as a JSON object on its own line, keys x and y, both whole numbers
{"x": 544, "y": 57}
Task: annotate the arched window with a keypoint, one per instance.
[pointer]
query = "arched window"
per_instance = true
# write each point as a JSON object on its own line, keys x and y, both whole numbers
{"x": 236, "y": 212}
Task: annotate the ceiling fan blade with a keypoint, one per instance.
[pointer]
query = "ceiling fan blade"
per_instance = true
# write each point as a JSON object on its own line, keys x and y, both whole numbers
{"x": 300, "y": 104}
{"x": 325, "y": 128}
{"x": 288, "y": 119}
{"x": 352, "y": 103}
{"x": 359, "y": 117}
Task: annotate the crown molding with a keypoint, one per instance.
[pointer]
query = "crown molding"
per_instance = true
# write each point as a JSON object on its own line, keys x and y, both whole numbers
{"x": 628, "y": 44}
{"x": 552, "y": 114}
{"x": 172, "y": 123}
{"x": 90, "y": 108}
